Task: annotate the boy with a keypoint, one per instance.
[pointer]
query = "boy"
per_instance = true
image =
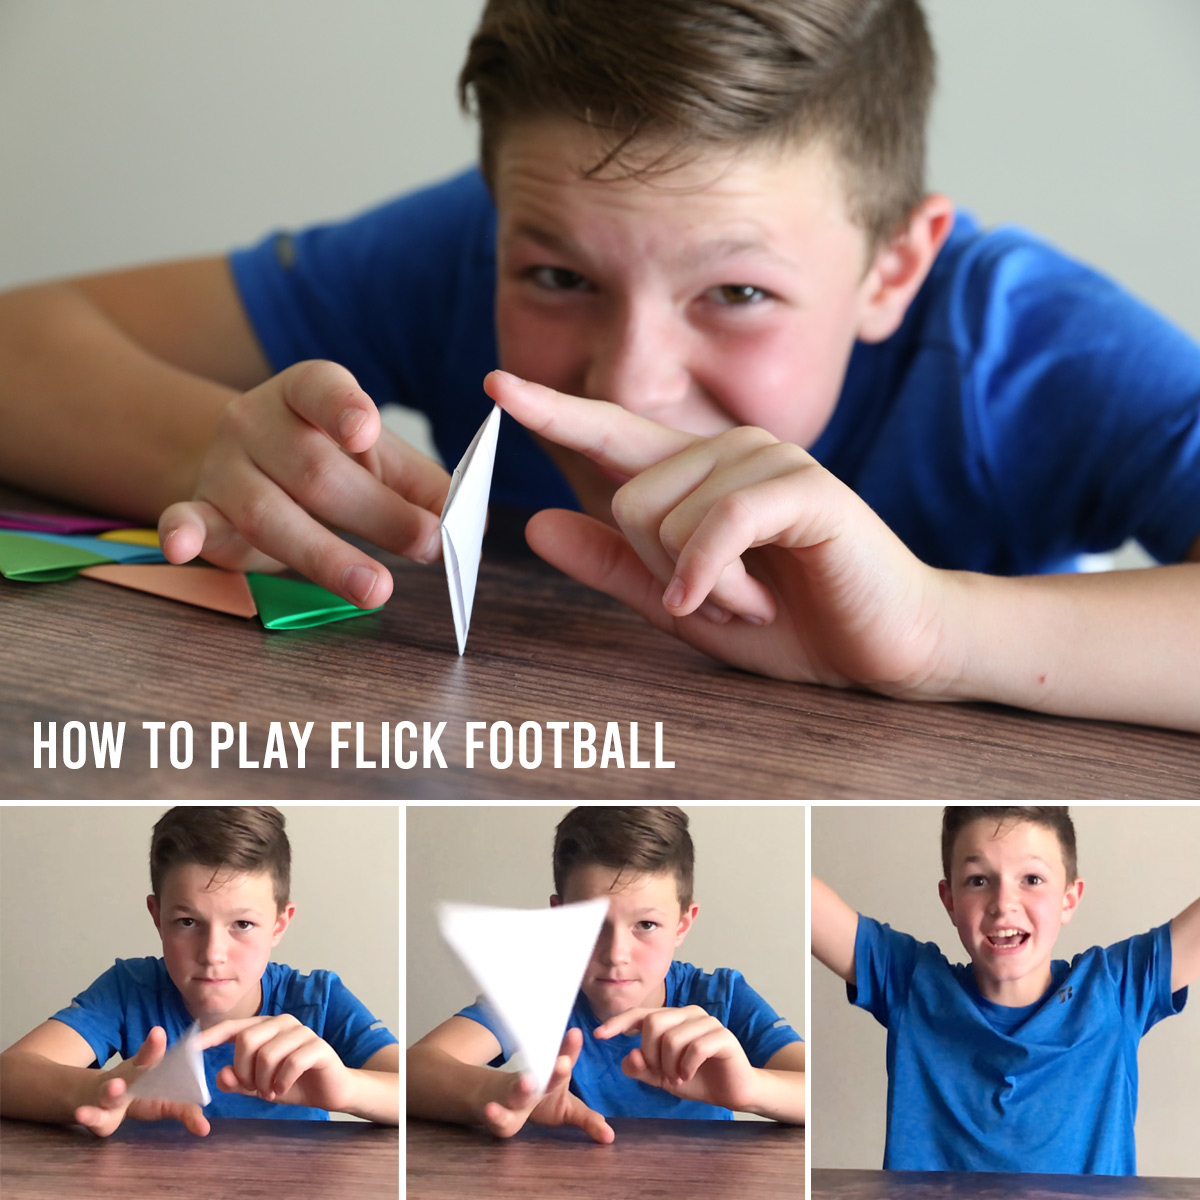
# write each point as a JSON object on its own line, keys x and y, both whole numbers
{"x": 708, "y": 1043}
{"x": 711, "y": 217}
{"x": 1018, "y": 1062}
{"x": 276, "y": 1043}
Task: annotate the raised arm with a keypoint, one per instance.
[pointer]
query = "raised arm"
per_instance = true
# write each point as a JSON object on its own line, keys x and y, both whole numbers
{"x": 1185, "y": 947}
{"x": 834, "y": 929}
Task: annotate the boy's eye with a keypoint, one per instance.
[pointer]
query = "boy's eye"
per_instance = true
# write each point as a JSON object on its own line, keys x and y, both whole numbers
{"x": 184, "y": 922}
{"x": 738, "y": 295}
{"x": 1034, "y": 879}
{"x": 244, "y": 925}
{"x": 976, "y": 881}
{"x": 558, "y": 279}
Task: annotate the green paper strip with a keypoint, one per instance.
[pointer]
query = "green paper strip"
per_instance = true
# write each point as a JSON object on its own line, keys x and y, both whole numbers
{"x": 297, "y": 604}
{"x": 31, "y": 560}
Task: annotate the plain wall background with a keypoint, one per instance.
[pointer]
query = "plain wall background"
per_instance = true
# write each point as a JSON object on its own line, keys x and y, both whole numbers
{"x": 73, "y": 883}
{"x": 749, "y": 883}
{"x": 1140, "y": 867}
{"x": 140, "y": 129}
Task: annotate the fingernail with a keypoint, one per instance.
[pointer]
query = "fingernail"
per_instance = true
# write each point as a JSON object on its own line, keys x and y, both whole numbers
{"x": 718, "y": 616}
{"x": 509, "y": 376}
{"x": 350, "y": 422}
{"x": 432, "y": 550}
{"x": 673, "y": 596}
{"x": 751, "y": 619}
{"x": 358, "y": 582}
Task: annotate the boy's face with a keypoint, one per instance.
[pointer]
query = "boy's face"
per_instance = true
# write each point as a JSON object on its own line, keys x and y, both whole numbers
{"x": 638, "y": 940}
{"x": 1008, "y": 897}
{"x": 728, "y": 291}
{"x": 217, "y": 936}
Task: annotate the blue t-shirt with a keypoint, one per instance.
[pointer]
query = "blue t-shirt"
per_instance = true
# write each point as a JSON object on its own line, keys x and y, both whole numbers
{"x": 115, "y": 1015}
{"x": 1026, "y": 411}
{"x": 977, "y": 1086}
{"x": 598, "y": 1079}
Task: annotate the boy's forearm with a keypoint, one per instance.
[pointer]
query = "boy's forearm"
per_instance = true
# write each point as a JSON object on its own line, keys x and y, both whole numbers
{"x": 441, "y": 1088}
{"x": 376, "y": 1096}
{"x": 779, "y": 1096}
{"x": 1117, "y": 645}
{"x": 92, "y": 418}
{"x": 35, "y": 1088}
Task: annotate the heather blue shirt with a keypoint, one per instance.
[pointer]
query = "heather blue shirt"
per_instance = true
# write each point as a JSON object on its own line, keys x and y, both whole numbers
{"x": 976, "y": 1086}
{"x": 1027, "y": 410}
{"x": 115, "y": 1015}
{"x": 597, "y": 1078}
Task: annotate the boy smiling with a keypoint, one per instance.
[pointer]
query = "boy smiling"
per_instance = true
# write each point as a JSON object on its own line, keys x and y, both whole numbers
{"x": 276, "y": 1043}
{"x": 648, "y": 1036}
{"x": 981, "y": 1056}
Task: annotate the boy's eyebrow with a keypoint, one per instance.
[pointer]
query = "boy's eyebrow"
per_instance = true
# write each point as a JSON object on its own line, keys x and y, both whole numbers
{"x": 177, "y": 907}
{"x": 979, "y": 858}
{"x": 698, "y": 256}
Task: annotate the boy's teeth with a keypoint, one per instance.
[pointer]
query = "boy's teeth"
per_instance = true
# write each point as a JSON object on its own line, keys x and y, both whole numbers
{"x": 1006, "y": 937}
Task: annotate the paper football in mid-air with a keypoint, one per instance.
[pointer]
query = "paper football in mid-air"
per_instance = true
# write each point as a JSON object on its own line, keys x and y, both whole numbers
{"x": 464, "y": 516}
{"x": 529, "y": 964}
{"x": 179, "y": 1077}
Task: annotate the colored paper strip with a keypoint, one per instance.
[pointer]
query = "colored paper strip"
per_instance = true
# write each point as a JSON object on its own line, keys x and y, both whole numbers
{"x": 12, "y": 518}
{"x": 298, "y": 604}
{"x": 106, "y": 551}
{"x": 203, "y": 586}
{"x": 135, "y": 537}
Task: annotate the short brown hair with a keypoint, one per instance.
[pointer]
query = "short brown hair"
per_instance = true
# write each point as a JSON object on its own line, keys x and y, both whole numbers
{"x": 641, "y": 839}
{"x": 956, "y": 817}
{"x": 694, "y": 75}
{"x": 237, "y": 839}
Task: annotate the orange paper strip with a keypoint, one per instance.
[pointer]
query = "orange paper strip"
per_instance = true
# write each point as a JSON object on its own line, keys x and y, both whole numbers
{"x": 206, "y": 587}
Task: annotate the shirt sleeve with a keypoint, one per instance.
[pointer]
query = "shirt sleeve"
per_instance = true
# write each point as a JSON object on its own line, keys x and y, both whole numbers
{"x": 324, "y": 1003}
{"x": 1082, "y": 404}
{"x": 884, "y": 963}
{"x": 96, "y": 1015}
{"x": 761, "y": 1031}
{"x": 481, "y": 1013}
{"x": 1140, "y": 969}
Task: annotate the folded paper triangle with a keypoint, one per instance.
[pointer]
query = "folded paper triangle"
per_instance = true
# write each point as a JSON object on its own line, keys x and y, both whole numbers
{"x": 298, "y": 604}
{"x": 32, "y": 560}
{"x": 205, "y": 587}
{"x": 529, "y": 964}
{"x": 464, "y": 517}
{"x": 180, "y": 1075}
{"x": 112, "y": 551}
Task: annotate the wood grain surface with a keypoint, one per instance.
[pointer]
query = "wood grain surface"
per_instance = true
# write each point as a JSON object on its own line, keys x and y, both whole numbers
{"x": 650, "y": 1160}
{"x": 542, "y": 649}
{"x": 956, "y": 1185}
{"x": 249, "y": 1160}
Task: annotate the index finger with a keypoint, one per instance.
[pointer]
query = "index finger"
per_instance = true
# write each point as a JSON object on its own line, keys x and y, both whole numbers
{"x": 606, "y": 433}
{"x": 226, "y": 1031}
{"x": 625, "y": 1022}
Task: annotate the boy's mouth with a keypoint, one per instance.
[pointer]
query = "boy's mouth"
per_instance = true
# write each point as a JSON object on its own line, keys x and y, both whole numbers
{"x": 1007, "y": 939}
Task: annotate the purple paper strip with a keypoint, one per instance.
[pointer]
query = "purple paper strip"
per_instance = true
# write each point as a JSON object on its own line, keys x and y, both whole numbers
{"x": 54, "y": 523}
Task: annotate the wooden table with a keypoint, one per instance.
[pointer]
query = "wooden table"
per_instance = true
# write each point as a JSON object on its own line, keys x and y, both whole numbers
{"x": 250, "y": 1160}
{"x": 962, "y": 1185}
{"x": 650, "y": 1160}
{"x": 542, "y": 649}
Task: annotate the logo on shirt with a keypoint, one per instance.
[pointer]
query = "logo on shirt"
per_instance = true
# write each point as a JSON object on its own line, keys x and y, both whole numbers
{"x": 1065, "y": 994}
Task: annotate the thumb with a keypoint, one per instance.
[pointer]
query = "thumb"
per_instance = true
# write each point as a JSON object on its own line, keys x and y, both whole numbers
{"x": 634, "y": 1065}
{"x": 153, "y": 1049}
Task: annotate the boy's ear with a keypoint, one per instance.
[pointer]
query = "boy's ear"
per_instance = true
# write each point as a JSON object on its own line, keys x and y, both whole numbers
{"x": 947, "y": 897}
{"x": 283, "y": 918}
{"x": 152, "y": 905}
{"x": 1071, "y": 898}
{"x": 900, "y": 267}
{"x": 686, "y": 918}
{"x": 555, "y": 901}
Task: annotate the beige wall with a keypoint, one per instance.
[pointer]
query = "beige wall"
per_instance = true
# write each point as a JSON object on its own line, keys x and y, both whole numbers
{"x": 73, "y": 882}
{"x": 749, "y": 885}
{"x": 1141, "y": 866}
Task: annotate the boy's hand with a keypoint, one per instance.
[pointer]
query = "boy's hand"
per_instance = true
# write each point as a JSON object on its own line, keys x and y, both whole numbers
{"x": 104, "y": 1112}
{"x": 743, "y": 546}
{"x": 515, "y": 1101}
{"x": 279, "y": 1060}
{"x": 304, "y": 450}
{"x": 687, "y": 1052}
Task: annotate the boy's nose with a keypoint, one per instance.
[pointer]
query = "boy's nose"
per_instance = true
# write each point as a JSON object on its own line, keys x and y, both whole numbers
{"x": 640, "y": 363}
